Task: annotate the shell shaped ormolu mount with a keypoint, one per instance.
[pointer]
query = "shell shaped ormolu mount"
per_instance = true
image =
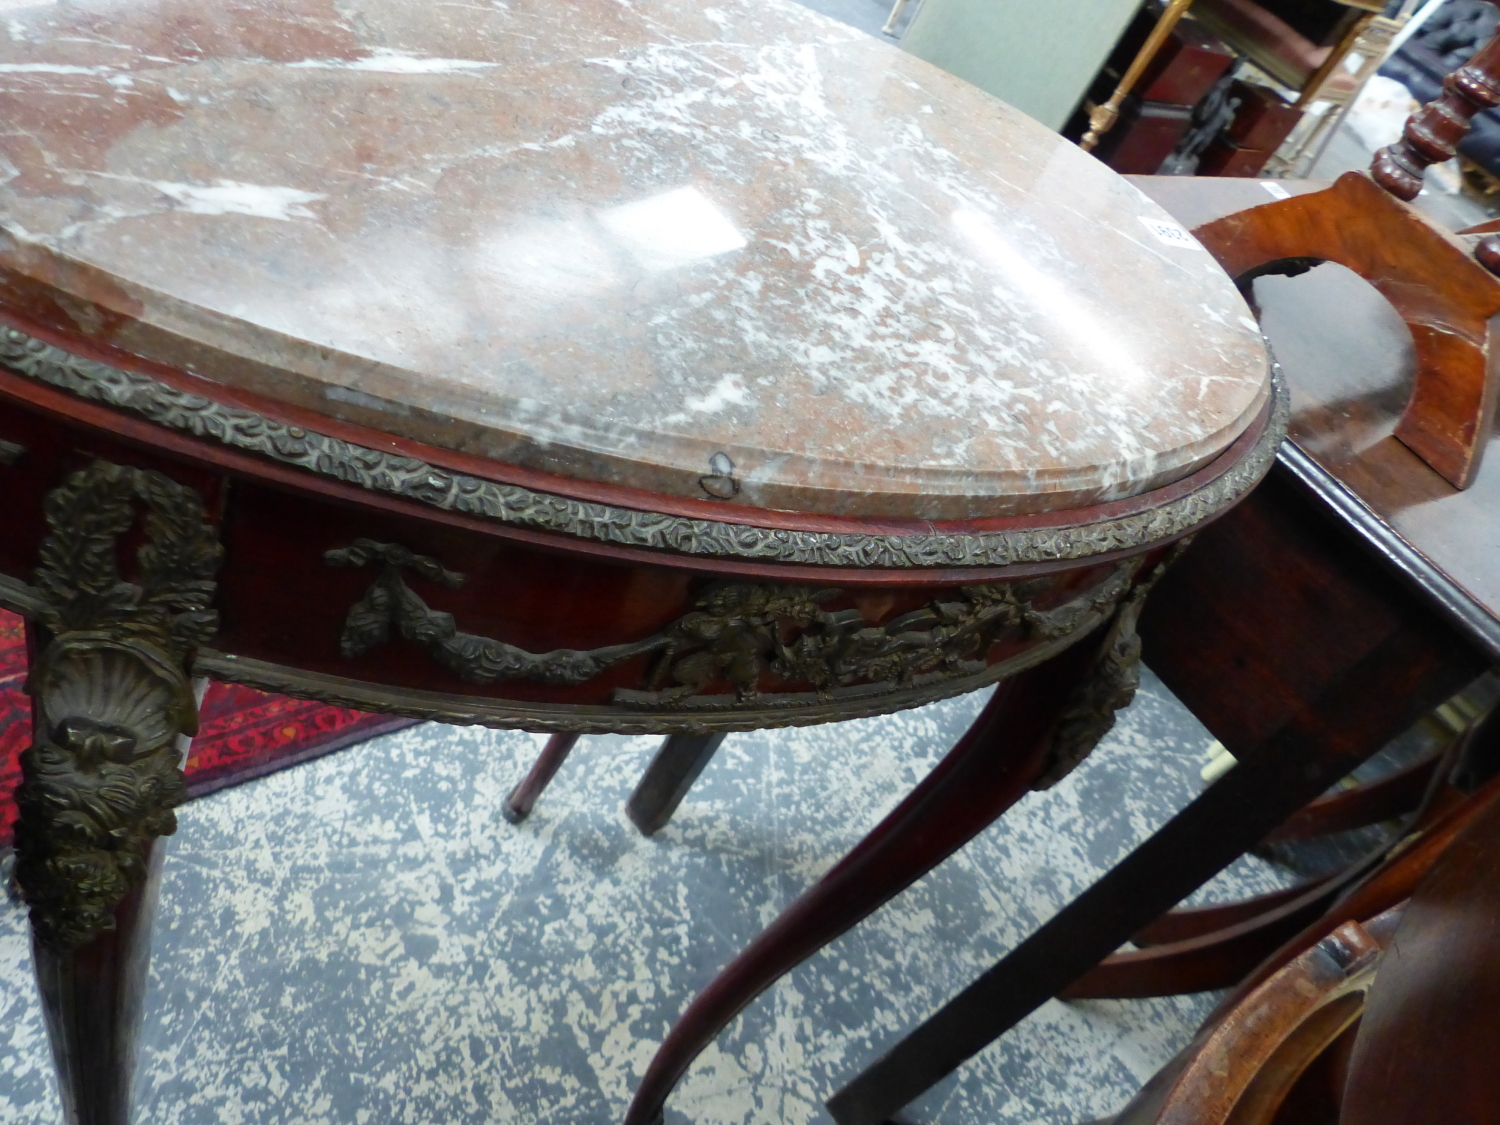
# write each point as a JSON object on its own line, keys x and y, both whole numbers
{"x": 111, "y": 694}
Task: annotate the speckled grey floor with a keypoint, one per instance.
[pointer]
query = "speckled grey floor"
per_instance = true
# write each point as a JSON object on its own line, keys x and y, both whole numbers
{"x": 364, "y": 940}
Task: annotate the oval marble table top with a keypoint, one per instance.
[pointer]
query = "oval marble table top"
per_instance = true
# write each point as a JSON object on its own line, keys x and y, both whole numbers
{"x": 725, "y": 249}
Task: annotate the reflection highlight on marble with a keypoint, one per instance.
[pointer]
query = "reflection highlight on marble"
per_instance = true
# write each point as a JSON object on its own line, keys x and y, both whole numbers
{"x": 644, "y": 234}
{"x": 364, "y": 939}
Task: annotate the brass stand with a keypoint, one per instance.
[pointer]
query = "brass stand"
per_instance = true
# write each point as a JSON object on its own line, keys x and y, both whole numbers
{"x": 1102, "y": 118}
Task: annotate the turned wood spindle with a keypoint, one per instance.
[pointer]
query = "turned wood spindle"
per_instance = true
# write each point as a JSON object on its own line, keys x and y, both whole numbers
{"x": 1433, "y": 133}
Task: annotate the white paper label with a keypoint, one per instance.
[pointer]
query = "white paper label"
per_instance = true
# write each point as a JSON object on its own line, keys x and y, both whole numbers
{"x": 1170, "y": 233}
{"x": 1275, "y": 190}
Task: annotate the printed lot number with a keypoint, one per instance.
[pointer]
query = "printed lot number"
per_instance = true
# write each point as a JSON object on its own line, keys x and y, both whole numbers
{"x": 1171, "y": 233}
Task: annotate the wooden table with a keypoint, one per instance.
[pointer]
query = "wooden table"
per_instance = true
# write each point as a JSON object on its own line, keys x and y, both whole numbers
{"x": 655, "y": 368}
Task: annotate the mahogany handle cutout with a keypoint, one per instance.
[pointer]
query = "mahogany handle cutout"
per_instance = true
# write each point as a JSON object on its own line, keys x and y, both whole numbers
{"x": 1446, "y": 299}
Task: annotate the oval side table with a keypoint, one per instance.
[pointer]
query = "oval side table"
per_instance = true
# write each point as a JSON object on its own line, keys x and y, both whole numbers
{"x": 670, "y": 369}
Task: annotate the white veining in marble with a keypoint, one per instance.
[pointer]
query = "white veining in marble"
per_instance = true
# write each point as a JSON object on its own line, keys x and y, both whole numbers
{"x": 613, "y": 239}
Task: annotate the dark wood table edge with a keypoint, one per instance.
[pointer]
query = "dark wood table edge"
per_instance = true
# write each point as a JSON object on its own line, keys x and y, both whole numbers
{"x": 1392, "y": 550}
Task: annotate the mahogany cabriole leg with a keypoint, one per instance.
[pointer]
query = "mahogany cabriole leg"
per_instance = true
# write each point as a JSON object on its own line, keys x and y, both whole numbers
{"x": 91, "y": 1003}
{"x": 1329, "y": 657}
{"x": 523, "y": 797}
{"x": 111, "y": 699}
{"x": 670, "y": 775}
{"x": 988, "y": 770}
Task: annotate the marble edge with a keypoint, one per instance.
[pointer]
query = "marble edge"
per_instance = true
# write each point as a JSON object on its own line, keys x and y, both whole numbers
{"x": 515, "y": 506}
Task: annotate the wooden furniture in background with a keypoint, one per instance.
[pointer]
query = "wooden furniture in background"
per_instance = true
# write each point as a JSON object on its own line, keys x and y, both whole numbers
{"x": 1158, "y": 110}
{"x": 898, "y": 9}
{"x": 1433, "y": 133}
{"x": 1300, "y": 44}
{"x": 1323, "y": 50}
{"x": 1102, "y": 117}
{"x": 1446, "y": 299}
{"x": 1335, "y": 86}
{"x": 1245, "y": 1068}
{"x": 1380, "y": 1013}
{"x": 1262, "y": 120}
{"x": 1424, "y": 1054}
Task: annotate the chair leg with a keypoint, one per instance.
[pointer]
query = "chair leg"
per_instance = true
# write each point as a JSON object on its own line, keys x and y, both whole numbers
{"x": 897, "y": 11}
{"x": 523, "y": 797}
{"x": 668, "y": 778}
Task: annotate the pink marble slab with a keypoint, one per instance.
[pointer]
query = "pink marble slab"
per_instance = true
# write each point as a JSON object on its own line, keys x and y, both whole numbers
{"x": 724, "y": 248}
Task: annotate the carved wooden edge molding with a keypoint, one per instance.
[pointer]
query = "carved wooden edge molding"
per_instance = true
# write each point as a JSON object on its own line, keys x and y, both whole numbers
{"x": 744, "y": 634}
{"x": 111, "y": 693}
{"x": 520, "y": 507}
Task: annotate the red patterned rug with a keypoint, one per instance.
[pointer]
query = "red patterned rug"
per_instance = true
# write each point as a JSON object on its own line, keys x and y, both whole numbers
{"x": 243, "y": 733}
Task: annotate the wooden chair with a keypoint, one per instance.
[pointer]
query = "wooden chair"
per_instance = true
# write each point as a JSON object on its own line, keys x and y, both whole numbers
{"x": 1377, "y": 1022}
{"x": 1318, "y": 73}
{"x": 668, "y": 778}
{"x": 1246, "y": 1067}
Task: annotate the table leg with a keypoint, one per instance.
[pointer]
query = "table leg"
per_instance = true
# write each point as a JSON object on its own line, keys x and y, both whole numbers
{"x": 992, "y": 766}
{"x": 523, "y": 797}
{"x": 92, "y": 905}
{"x": 111, "y": 701}
{"x": 668, "y": 778}
{"x": 91, "y": 1003}
{"x": 1385, "y": 693}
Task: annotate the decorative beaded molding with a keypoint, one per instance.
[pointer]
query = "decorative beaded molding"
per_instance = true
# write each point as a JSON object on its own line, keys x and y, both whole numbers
{"x": 440, "y": 488}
